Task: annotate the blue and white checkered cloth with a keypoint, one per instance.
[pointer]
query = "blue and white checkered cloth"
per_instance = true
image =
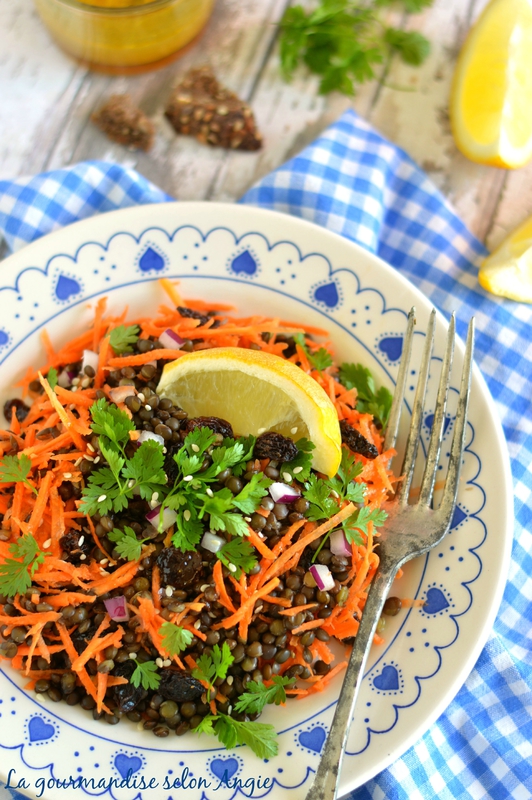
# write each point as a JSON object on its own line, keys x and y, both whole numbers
{"x": 356, "y": 183}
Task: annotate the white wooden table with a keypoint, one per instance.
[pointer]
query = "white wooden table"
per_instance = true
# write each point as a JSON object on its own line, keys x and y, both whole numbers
{"x": 46, "y": 100}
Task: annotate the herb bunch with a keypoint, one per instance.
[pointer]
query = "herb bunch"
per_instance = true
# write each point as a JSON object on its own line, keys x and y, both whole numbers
{"x": 343, "y": 40}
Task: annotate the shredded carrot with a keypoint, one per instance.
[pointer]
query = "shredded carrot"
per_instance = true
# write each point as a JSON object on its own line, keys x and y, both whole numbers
{"x": 258, "y": 544}
{"x": 156, "y": 587}
{"x": 296, "y": 609}
{"x": 223, "y": 597}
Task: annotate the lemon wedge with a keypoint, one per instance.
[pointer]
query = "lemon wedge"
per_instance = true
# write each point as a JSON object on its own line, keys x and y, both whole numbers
{"x": 491, "y": 113}
{"x": 256, "y": 392}
{"x": 507, "y": 272}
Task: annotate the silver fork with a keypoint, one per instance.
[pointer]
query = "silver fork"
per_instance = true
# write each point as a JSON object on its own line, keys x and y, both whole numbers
{"x": 409, "y": 531}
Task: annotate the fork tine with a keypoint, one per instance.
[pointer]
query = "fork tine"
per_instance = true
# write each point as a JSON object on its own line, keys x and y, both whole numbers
{"x": 417, "y": 414}
{"x": 399, "y": 393}
{"x": 457, "y": 449}
{"x": 433, "y": 455}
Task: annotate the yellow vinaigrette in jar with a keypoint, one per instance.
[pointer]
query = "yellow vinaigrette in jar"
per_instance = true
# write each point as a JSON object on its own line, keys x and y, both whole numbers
{"x": 124, "y": 35}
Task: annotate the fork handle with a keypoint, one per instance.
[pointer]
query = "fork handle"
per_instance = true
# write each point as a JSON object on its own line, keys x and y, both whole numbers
{"x": 325, "y": 786}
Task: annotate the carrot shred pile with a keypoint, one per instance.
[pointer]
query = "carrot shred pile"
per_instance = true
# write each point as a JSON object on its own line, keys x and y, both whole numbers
{"x": 56, "y": 434}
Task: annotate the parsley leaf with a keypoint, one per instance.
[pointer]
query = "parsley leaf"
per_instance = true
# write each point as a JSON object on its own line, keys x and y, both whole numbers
{"x": 214, "y": 665}
{"x": 259, "y": 737}
{"x": 128, "y": 546}
{"x": 343, "y": 40}
{"x": 249, "y": 498}
{"x": 358, "y": 523}
{"x": 145, "y": 675}
{"x": 14, "y": 575}
{"x": 111, "y": 423}
{"x": 145, "y": 469}
{"x": 257, "y": 695}
{"x": 369, "y": 399}
{"x": 240, "y": 553}
{"x": 301, "y": 465}
{"x": 52, "y": 378}
{"x": 175, "y": 639}
{"x": 122, "y": 338}
{"x": 320, "y": 360}
{"x": 15, "y": 469}
{"x": 318, "y": 493}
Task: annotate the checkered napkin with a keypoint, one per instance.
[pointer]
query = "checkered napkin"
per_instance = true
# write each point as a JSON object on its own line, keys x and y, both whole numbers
{"x": 354, "y": 182}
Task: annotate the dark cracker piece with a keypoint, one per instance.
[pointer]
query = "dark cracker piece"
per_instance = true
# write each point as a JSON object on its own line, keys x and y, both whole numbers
{"x": 202, "y": 107}
{"x": 123, "y": 122}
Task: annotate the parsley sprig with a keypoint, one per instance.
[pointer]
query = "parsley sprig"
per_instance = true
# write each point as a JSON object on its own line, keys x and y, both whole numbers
{"x": 325, "y": 495}
{"x": 257, "y": 695}
{"x": 127, "y": 544}
{"x": 15, "y": 469}
{"x": 301, "y": 465}
{"x": 111, "y": 487}
{"x": 175, "y": 639}
{"x": 16, "y": 573}
{"x": 343, "y": 40}
{"x": 123, "y": 338}
{"x": 370, "y": 400}
{"x": 320, "y": 359}
{"x": 145, "y": 675}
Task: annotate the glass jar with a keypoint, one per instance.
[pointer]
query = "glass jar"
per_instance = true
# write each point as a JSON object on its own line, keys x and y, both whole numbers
{"x": 124, "y": 36}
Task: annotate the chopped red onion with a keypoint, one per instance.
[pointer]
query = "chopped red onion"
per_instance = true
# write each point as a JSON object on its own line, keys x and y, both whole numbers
{"x": 90, "y": 359}
{"x": 339, "y": 544}
{"x": 64, "y": 379}
{"x": 119, "y": 393}
{"x": 283, "y": 493}
{"x": 147, "y": 435}
{"x": 322, "y": 576}
{"x": 170, "y": 340}
{"x": 117, "y": 608}
{"x": 211, "y": 542}
{"x": 154, "y": 516}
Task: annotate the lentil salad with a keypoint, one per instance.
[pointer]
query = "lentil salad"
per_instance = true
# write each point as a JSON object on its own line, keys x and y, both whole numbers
{"x": 186, "y": 614}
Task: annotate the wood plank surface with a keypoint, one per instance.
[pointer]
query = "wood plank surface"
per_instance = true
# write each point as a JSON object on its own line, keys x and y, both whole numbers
{"x": 47, "y": 100}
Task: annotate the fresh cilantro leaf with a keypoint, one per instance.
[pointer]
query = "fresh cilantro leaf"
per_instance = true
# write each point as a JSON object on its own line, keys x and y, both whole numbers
{"x": 411, "y": 6}
{"x": 235, "y": 524}
{"x": 257, "y": 695}
{"x": 52, "y": 378}
{"x": 301, "y": 465}
{"x": 112, "y": 423}
{"x": 122, "y": 338}
{"x": 259, "y": 737}
{"x": 358, "y": 523}
{"x": 349, "y": 468}
{"x": 320, "y": 360}
{"x": 240, "y": 553}
{"x": 198, "y": 441}
{"x": 14, "y": 575}
{"x": 214, "y": 665}
{"x": 318, "y": 493}
{"x": 102, "y": 493}
{"x": 145, "y": 675}
{"x": 128, "y": 546}
{"x": 175, "y": 639}
{"x": 16, "y": 469}
{"x": 341, "y": 41}
{"x": 369, "y": 399}
{"x": 145, "y": 469}
{"x": 412, "y": 46}
{"x": 206, "y": 725}
{"x": 188, "y": 532}
{"x": 248, "y": 445}
{"x": 252, "y": 493}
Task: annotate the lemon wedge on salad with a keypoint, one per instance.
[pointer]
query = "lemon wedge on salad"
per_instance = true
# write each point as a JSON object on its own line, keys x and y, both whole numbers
{"x": 491, "y": 113}
{"x": 507, "y": 272}
{"x": 256, "y": 392}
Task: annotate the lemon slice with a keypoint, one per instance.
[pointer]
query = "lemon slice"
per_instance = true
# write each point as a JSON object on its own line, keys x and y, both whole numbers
{"x": 256, "y": 392}
{"x": 491, "y": 113}
{"x": 508, "y": 270}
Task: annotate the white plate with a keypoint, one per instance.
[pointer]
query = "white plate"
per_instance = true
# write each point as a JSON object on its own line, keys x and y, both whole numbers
{"x": 262, "y": 262}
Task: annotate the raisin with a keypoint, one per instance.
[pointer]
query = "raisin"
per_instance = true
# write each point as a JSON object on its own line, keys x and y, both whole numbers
{"x": 191, "y": 314}
{"x": 275, "y": 446}
{"x": 81, "y": 640}
{"x": 306, "y": 559}
{"x": 170, "y": 467}
{"x": 179, "y": 686}
{"x": 356, "y": 442}
{"x": 126, "y": 695}
{"x": 21, "y": 409}
{"x": 216, "y": 425}
{"x": 178, "y": 569}
{"x": 70, "y": 544}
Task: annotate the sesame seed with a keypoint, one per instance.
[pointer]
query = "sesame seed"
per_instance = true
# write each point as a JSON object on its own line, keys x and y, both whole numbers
{"x": 96, "y": 459}
{"x": 287, "y": 477}
{"x": 169, "y": 591}
{"x": 141, "y": 397}
{"x": 140, "y": 725}
{"x": 210, "y": 492}
{"x": 229, "y": 680}
{"x": 104, "y": 561}
{"x": 85, "y": 383}
{"x": 204, "y": 587}
{"x": 181, "y": 607}
{"x": 91, "y": 448}
{"x": 78, "y": 461}
{"x": 132, "y": 656}
{"x": 293, "y": 430}
{"x": 261, "y": 430}
{"x": 131, "y": 483}
{"x": 89, "y": 458}
{"x": 67, "y": 474}
{"x": 259, "y": 609}
{"x": 101, "y": 498}
{"x": 297, "y": 470}
{"x": 103, "y": 571}
{"x": 188, "y": 478}
{"x": 159, "y": 662}
{"x": 167, "y": 662}
{"x": 195, "y": 448}
{"x": 155, "y": 497}
{"x": 197, "y": 624}
{"x": 42, "y": 697}
{"x": 75, "y": 381}
{"x": 231, "y": 568}
{"x": 147, "y": 407}
{"x": 47, "y": 543}
{"x": 82, "y": 557}
{"x": 74, "y": 389}
{"x": 186, "y": 514}
{"x": 248, "y": 519}
{"x": 81, "y": 540}
{"x": 335, "y": 494}
{"x": 229, "y": 709}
